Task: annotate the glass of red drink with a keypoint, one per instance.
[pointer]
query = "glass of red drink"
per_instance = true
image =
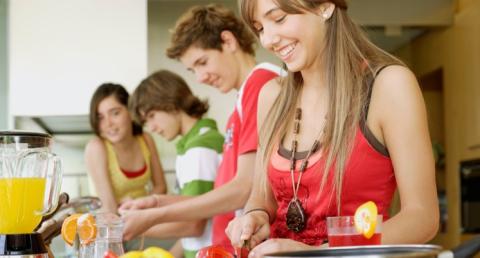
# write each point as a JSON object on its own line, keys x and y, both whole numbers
{"x": 342, "y": 232}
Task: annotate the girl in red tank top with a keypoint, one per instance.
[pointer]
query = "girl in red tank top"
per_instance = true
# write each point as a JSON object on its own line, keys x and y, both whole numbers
{"x": 367, "y": 169}
{"x": 336, "y": 132}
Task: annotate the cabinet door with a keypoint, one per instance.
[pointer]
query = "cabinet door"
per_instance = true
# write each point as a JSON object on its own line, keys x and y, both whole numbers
{"x": 471, "y": 123}
{"x": 470, "y": 101}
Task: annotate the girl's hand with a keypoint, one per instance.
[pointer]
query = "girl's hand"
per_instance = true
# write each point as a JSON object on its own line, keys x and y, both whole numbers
{"x": 125, "y": 199}
{"x": 251, "y": 228}
{"x": 135, "y": 222}
{"x": 138, "y": 204}
{"x": 278, "y": 245}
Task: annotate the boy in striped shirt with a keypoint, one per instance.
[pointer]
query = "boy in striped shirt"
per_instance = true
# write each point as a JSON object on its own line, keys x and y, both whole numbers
{"x": 165, "y": 104}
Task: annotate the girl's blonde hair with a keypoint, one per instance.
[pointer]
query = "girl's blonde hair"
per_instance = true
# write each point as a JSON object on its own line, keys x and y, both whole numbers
{"x": 351, "y": 61}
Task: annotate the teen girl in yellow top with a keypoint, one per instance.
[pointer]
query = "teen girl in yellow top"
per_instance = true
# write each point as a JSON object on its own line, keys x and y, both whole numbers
{"x": 121, "y": 159}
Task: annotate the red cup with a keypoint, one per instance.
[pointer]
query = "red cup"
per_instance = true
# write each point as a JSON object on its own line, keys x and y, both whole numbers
{"x": 342, "y": 232}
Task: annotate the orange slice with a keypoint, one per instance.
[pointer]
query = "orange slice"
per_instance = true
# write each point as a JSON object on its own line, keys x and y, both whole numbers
{"x": 87, "y": 228}
{"x": 69, "y": 228}
{"x": 365, "y": 219}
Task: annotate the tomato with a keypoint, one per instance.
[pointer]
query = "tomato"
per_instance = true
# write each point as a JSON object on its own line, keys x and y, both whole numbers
{"x": 109, "y": 254}
{"x": 241, "y": 252}
{"x": 213, "y": 252}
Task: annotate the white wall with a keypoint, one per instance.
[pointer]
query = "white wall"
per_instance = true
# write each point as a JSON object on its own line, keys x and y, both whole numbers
{"x": 3, "y": 64}
{"x": 105, "y": 57}
{"x": 60, "y": 51}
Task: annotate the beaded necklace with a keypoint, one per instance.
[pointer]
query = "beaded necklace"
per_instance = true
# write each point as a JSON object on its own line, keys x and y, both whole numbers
{"x": 296, "y": 219}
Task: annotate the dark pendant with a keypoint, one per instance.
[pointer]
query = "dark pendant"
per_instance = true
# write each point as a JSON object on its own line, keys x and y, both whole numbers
{"x": 296, "y": 219}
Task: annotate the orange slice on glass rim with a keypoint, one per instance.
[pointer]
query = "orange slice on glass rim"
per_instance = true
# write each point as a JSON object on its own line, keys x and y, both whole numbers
{"x": 69, "y": 228}
{"x": 365, "y": 219}
{"x": 87, "y": 228}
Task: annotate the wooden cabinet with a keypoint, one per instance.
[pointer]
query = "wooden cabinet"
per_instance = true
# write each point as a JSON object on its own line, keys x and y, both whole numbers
{"x": 470, "y": 122}
{"x": 462, "y": 121}
{"x": 456, "y": 50}
{"x": 467, "y": 81}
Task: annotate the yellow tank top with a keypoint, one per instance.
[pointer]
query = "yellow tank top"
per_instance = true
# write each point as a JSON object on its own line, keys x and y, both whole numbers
{"x": 123, "y": 186}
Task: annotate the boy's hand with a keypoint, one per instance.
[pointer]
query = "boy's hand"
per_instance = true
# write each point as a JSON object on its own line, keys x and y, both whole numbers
{"x": 135, "y": 223}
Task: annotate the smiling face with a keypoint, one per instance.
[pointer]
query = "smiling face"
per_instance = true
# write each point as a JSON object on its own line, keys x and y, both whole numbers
{"x": 114, "y": 121}
{"x": 166, "y": 124}
{"x": 297, "y": 39}
{"x": 212, "y": 67}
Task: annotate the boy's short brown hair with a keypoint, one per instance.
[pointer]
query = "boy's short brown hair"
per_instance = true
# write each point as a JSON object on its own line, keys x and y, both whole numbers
{"x": 165, "y": 91}
{"x": 201, "y": 26}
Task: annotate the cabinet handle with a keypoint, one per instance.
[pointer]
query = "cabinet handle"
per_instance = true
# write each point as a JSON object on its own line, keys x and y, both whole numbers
{"x": 474, "y": 147}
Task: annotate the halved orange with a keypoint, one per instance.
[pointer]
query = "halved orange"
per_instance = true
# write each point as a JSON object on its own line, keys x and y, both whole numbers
{"x": 69, "y": 228}
{"x": 87, "y": 228}
{"x": 365, "y": 219}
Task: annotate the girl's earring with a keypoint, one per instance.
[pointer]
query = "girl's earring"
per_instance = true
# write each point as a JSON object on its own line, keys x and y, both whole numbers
{"x": 325, "y": 15}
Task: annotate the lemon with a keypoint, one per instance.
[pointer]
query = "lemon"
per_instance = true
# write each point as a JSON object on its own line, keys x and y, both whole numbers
{"x": 133, "y": 254}
{"x": 365, "y": 219}
{"x": 156, "y": 252}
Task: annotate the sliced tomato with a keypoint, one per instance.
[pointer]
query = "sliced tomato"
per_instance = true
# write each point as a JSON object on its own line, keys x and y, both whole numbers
{"x": 241, "y": 252}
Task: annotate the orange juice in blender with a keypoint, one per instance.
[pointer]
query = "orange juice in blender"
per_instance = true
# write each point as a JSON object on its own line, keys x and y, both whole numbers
{"x": 29, "y": 172}
{"x": 22, "y": 204}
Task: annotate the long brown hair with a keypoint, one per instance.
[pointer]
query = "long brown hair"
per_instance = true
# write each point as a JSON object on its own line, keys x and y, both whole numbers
{"x": 351, "y": 61}
{"x": 102, "y": 92}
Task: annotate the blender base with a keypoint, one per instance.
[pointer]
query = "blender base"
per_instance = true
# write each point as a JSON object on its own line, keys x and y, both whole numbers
{"x": 22, "y": 246}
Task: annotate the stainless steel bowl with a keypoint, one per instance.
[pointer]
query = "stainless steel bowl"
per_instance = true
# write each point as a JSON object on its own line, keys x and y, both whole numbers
{"x": 380, "y": 251}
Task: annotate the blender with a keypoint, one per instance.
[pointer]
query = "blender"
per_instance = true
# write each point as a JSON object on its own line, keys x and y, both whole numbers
{"x": 30, "y": 179}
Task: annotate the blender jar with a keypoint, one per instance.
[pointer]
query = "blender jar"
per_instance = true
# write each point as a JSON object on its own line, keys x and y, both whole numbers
{"x": 30, "y": 179}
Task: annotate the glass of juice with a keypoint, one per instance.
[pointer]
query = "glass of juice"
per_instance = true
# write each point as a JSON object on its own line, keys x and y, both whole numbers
{"x": 342, "y": 232}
